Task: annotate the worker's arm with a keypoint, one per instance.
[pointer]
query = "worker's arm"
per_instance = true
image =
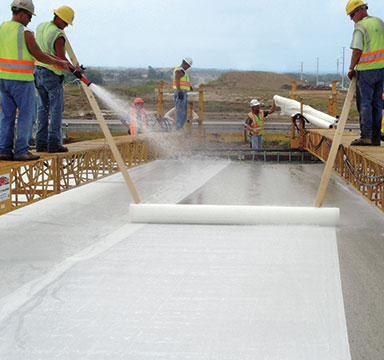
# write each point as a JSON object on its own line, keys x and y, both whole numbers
{"x": 355, "y": 58}
{"x": 272, "y": 109}
{"x": 248, "y": 124}
{"x": 60, "y": 48}
{"x": 45, "y": 58}
{"x": 179, "y": 75}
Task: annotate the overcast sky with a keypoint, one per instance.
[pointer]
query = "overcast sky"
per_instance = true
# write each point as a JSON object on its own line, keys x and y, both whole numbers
{"x": 269, "y": 35}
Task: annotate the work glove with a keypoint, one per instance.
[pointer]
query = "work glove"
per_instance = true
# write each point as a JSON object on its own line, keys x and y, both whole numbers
{"x": 180, "y": 95}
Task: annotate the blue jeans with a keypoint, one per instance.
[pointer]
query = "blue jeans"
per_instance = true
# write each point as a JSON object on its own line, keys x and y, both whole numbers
{"x": 256, "y": 141}
{"x": 181, "y": 109}
{"x": 50, "y": 92}
{"x": 369, "y": 89}
{"x": 16, "y": 94}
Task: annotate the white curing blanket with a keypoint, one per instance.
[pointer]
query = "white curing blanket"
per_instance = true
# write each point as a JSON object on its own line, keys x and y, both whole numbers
{"x": 292, "y": 107}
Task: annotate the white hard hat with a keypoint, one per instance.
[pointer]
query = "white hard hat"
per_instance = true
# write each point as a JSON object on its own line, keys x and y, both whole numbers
{"x": 254, "y": 102}
{"x": 188, "y": 60}
{"x": 25, "y": 5}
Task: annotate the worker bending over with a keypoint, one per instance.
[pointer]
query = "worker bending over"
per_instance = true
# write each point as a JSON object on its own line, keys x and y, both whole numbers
{"x": 255, "y": 123}
{"x": 50, "y": 82}
{"x": 181, "y": 86}
{"x": 18, "y": 52}
{"x": 367, "y": 64}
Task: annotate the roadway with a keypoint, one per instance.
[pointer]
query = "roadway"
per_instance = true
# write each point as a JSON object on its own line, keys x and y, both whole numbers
{"x": 68, "y": 289}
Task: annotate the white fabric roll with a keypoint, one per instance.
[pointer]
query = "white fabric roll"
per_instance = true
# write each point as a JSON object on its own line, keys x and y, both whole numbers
{"x": 292, "y": 107}
{"x": 232, "y": 215}
{"x": 320, "y": 123}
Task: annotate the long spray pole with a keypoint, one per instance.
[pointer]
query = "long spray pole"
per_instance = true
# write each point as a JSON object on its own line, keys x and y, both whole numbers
{"x": 335, "y": 144}
{"x": 104, "y": 128}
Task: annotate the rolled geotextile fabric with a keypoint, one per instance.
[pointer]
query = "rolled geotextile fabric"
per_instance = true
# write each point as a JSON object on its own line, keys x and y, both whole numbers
{"x": 232, "y": 215}
{"x": 292, "y": 107}
{"x": 318, "y": 122}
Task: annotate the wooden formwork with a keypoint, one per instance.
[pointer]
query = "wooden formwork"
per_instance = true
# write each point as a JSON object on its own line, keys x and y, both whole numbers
{"x": 361, "y": 166}
{"x": 23, "y": 183}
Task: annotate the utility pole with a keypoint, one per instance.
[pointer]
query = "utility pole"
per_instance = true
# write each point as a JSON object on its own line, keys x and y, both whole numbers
{"x": 317, "y": 74}
{"x": 342, "y": 75}
{"x": 301, "y": 75}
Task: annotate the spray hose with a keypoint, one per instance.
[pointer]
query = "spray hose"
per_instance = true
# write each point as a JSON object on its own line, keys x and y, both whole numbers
{"x": 79, "y": 74}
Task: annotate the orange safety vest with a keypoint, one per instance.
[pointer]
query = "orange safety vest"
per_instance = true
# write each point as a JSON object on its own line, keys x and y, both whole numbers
{"x": 133, "y": 126}
{"x": 257, "y": 125}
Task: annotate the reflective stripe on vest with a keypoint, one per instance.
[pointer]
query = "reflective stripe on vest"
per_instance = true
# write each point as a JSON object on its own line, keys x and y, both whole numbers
{"x": 16, "y": 62}
{"x": 133, "y": 121}
{"x": 382, "y": 123}
{"x": 46, "y": 35}
{"x": 257, "y": 125}
{"x": 373, "y": 52}
{"x": 184, "y": 80}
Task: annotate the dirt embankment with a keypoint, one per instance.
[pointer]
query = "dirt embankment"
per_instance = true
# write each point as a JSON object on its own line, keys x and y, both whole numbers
{"x": 255, "y": 80}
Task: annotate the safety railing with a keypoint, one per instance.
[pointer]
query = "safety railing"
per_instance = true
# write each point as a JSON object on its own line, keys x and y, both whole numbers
{"x": 361, "y": 169}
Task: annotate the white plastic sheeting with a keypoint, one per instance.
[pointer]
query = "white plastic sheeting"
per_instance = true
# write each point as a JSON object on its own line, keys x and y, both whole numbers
{"x": 166, "y": 291}
{"x": 292, "y": 107}
{"x": 232, "y": 214}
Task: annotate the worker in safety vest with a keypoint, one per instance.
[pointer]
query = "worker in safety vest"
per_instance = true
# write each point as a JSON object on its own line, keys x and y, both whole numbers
{"x": 49, "y": 82}
{"x": 181, "y": 86}
{"x": 255, "y": 123}
{"x": 18, "y": 52}
{"x": 367, "y": 64}
{"x": 137, "y": 123}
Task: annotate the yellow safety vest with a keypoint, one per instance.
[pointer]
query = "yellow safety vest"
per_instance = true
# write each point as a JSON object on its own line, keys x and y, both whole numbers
{"x": 257, "y": 125}
{"x": 133, "y": 121}
{"x": 16, "y": 62}
{"x": 46, "y": 35}
{"x": 184, "y": 80}
{"x": 373, "y": 52}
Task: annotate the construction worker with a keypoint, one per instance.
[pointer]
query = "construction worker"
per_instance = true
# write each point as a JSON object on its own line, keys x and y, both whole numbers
{"x": 49, "y": 82}
{"x": 137, "y": 123}
{"x": 181, "y": 86}
{"x": 367, "y": 64}
{"x": 255, "y": 123}
{"x": 18, "y": 52}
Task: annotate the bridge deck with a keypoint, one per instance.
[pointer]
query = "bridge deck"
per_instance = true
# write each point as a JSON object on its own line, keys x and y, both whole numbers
{"x": 360, "y": 166}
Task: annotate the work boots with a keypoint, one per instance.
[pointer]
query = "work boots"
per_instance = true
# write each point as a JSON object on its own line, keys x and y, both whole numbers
{"x": 362, "y": 142}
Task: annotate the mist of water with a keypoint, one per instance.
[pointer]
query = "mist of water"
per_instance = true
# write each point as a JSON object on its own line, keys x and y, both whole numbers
{"x": 122, "y": 107}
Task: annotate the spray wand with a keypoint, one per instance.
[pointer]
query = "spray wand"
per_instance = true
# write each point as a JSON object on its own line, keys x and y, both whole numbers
{"x": 79, "y": 74}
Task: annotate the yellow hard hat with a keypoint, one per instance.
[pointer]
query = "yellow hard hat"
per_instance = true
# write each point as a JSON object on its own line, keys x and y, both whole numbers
{"x": 65, "y": 13}
{"x": 352, "y": 5}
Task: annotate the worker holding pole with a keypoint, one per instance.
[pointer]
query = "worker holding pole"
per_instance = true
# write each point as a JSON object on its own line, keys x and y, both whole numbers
{"x": 18, "y": 52}
{"x": 255, "y": 123}
{"x": 181, "y": 86}
{"x": 367, "y": 64}
{"x": 49, "y": 82}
